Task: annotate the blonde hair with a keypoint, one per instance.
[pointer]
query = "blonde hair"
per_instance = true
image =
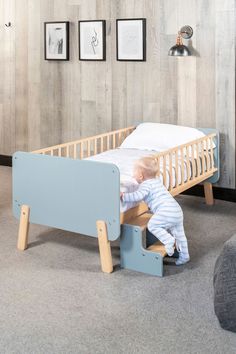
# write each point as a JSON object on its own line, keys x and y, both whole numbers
{"x": 149, "y": 166}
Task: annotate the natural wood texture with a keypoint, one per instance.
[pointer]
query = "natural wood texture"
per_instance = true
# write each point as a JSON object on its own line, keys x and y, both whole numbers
{"x": 158, "y": 247}
{"x": 208, "y": 193}
{"x": 8, "y": 79}
{"x": 225, "y": 97}
{"x": 194, "y": 159}
{"x": 23, "y": 228}
{"x": 141, "y": 220}
{"x": 132, "y": 213}
{"x": 104, "y": 247}
{"x": 45, "y": 103}
{"x": 89, "y": 146}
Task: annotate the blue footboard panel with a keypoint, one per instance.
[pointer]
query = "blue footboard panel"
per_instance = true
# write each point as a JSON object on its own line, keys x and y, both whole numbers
{"x": 67, "y": 194}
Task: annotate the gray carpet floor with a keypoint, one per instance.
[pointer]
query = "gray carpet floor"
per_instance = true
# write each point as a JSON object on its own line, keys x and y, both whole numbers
{"x": 55, "y": 299}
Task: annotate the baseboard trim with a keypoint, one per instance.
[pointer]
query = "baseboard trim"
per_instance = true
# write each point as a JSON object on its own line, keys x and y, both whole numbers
{"x": 226, "y": 194}
{"x": 5, "y": 160}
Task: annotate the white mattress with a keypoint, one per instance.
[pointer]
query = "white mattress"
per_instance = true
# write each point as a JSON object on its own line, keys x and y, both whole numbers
{"x": 124, "y": 159}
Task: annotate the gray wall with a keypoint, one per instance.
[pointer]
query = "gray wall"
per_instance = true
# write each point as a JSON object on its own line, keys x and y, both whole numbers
{"x": 44, "y": 103}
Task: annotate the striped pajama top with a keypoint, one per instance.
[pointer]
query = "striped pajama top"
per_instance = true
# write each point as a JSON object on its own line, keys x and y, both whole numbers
{"x": 155, "y": 195}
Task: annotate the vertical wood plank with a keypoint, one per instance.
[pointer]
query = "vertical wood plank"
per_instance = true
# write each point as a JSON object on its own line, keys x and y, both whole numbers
{"x": 225, "y": 89}
{"x": 21, "y": 72}
{"x": 44, "y": 103}
{"x": 7, "y": 74}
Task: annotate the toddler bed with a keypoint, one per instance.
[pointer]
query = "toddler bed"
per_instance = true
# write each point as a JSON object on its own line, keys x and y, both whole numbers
{"x": 125, "y": 159}
{"x": 76, "y": 186}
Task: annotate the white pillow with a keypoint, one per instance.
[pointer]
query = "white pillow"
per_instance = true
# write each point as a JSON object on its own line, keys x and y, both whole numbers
{"x": 160, "y": 137}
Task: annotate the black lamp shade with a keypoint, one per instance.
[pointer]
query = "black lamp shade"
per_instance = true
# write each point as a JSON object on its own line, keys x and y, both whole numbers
{"x": 179, "y": 50}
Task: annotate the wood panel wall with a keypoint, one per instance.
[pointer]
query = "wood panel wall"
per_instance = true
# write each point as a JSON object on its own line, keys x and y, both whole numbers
{"x": 44, "y": 103}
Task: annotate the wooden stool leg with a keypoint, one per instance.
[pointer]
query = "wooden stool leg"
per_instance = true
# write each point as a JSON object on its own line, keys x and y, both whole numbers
{"x": 104, "y": 247}
{"x": 23, "y": 228}
{"x": 208, "y": 193}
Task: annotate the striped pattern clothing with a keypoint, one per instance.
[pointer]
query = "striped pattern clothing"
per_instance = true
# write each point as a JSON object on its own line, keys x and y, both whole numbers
{"x": 167, "y": 222}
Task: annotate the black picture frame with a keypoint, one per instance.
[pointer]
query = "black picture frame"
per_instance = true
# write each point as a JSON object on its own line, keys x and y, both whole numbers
{"x": 63, "y": 44}
{"x": 141, "y": 52}
{"x": 99, "y": 32}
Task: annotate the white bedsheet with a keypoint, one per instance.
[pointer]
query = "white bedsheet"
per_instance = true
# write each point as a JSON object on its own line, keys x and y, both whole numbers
{"x": 124, "y": 159}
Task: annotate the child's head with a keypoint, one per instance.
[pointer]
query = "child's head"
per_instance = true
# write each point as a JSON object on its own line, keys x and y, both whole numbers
{"x": 145, "y": 168}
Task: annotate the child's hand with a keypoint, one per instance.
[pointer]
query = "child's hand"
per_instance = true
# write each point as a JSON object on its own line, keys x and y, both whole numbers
{"x": 121, "y": 195}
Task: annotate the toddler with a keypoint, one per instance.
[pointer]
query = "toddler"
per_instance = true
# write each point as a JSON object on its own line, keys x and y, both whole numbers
{"x": 167, "y": 220}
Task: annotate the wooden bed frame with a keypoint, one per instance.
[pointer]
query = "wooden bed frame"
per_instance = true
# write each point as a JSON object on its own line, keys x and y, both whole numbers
{"x": 198, "y": 158}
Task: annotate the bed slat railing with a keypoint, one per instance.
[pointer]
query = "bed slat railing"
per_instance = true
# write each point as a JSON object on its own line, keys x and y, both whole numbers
{"x": 187, "y": 164}
{"x": 180, "y": 167}
{"x": 88, "y": 146}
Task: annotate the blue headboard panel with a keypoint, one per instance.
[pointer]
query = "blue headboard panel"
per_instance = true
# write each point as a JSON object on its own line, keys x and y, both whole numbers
{"x": 216, "y": 176}
{"x": 67, "y": 194}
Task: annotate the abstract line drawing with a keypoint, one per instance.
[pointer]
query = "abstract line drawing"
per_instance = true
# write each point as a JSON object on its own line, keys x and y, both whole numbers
{"x": 92, "y": 40}
{"x": 56, "y": 40}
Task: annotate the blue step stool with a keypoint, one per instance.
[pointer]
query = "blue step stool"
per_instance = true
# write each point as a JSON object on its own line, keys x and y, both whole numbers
{"x": 138, "y": 247}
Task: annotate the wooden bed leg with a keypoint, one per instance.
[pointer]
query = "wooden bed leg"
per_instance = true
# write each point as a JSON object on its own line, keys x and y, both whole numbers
{"x": 104, "y": 247}
{"x": 23, "y": 228}
{"x": 208, "y": 193}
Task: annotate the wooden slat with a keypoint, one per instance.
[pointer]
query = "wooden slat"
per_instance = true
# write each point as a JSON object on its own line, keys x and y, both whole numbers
{"x": 212, "y": 153}
{"x": 89, "y": 148}
{"x": 67, "y": 151}
{"x": 170, "y": 172}
{"x": 77, "y": 142}
{"x": 119, "y": 138}
{"x": 182, "y": 165}
{"x": 193, "y": 161}
{"x": 208, "y": 151}
{"x": 158, "y": 166}
{"x": 95, "y": 146}
{"x": 158, "y": 248}
{"x": 188, "y": 163}
{"x": 125, "y": 217}
{"x": 81, "y": 150}
{"x": 114, "y": 141}
{"x": 141, "y": 220}
{"x": 176, "y": 169}
{"x": 203, "y": 162}
{"x": 198, "y": 161}
{"x": 193, "y": 182}
{"x": 164, "y": 170}
{"x": 74, "y": 151}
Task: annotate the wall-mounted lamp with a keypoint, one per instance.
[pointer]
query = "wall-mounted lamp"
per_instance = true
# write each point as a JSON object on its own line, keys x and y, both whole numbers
{"x": 179, "y": 49}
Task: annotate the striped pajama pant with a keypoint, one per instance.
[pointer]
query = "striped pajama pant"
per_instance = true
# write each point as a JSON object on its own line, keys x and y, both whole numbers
{"x": 169, "y": 229}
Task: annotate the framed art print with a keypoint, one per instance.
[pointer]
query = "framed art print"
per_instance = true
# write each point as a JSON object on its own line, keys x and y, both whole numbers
{"x": 131, "y": 39}
{"x": 56, "y": 40}
{"x": 92, "y": 40}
